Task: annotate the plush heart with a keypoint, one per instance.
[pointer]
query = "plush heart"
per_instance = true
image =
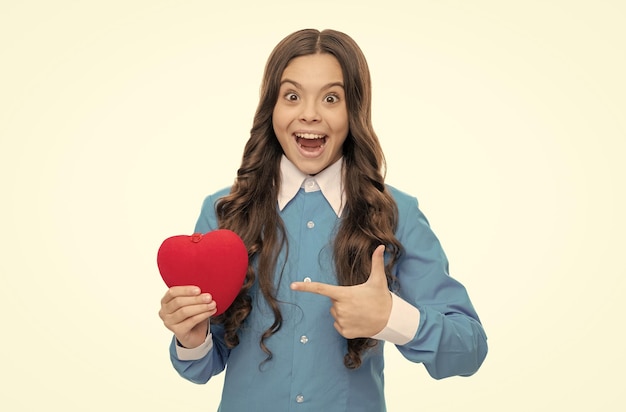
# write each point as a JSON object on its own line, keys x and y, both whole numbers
{"x": 216, "y": 262}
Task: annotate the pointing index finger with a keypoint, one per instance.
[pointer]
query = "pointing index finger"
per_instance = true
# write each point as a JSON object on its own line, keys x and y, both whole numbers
{"x": 331, "y": 291}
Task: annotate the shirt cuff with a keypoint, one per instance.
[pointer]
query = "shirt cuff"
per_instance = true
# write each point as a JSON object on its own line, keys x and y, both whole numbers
{"x": 196, "y": 353}
{"x": 402, "y": 324}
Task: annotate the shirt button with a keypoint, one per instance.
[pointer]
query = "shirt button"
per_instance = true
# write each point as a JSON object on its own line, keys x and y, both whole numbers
{"x": 307, "y": 279}
{"x": 310, "y": 183}
{"x": 300, "y": 398}
{"x": 303, "y": 339}
{"x": 310, "y": 224}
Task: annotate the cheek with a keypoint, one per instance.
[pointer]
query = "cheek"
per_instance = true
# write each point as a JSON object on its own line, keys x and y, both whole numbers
{"x": 340, "y": 116}
{"x": 279, "y": 124}
{"x": 279, "y": 120}
{"x": 340, "y": 121}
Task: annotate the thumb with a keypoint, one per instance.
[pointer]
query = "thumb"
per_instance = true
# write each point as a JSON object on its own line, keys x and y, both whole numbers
{"x": 377, "y": 274}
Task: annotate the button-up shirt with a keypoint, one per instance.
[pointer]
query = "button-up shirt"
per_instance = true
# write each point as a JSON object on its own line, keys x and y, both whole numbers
{"x": 433, "y": 321}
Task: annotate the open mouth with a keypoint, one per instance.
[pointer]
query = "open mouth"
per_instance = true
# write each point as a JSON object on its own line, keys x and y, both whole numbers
{"x": 310, "y": 141}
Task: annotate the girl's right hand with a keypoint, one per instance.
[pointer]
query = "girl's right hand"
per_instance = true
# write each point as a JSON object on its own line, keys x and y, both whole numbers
{"x": 185, "y": 311}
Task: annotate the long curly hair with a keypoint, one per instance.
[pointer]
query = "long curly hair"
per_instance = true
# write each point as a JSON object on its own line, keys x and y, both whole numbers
{"x": 369, "y": 217}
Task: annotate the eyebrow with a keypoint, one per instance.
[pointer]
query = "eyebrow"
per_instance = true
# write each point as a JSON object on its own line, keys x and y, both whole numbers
{"x": 299, "y": 86}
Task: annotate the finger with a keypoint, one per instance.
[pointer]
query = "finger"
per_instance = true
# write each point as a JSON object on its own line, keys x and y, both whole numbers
{"x": 187, "y": 312}
{"x": 377, "y": 274}
{"x": 176, "y": 304}
{"x": 331, "y": 291}
{"x": 184, "y": 313}
{"x": 183, "y": 328}
{"x": 176, "y": 291}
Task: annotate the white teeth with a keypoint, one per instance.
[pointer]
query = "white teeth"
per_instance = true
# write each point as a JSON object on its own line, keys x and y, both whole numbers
{"x": 309, "y": 136}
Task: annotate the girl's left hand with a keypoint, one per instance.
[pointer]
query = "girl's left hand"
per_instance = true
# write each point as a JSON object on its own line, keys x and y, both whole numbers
{"x": 360, "y": 311}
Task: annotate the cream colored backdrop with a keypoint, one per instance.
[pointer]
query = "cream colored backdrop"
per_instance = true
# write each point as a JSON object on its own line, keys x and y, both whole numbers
{"x": 507, "y": 119}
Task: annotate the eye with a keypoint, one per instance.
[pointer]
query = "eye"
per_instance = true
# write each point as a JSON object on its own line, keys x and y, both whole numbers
{"x": 331, "y": 98}
{"x": 292, "y": 97}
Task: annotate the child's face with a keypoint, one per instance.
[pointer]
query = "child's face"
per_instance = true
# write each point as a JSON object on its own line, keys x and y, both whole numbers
{"x": 310, "y": 118}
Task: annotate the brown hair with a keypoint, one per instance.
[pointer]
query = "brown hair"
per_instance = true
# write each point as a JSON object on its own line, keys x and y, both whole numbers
{"x": 369, "y": 217}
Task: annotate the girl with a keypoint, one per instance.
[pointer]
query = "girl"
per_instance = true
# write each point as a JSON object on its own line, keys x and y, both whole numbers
{"x": 340, "y": 262}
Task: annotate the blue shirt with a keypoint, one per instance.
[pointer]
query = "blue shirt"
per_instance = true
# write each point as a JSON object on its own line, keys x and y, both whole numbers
{"x": 307, "y": 371}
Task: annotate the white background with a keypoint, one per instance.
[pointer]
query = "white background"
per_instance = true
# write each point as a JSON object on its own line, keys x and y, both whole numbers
{"x": 507, "y": 119}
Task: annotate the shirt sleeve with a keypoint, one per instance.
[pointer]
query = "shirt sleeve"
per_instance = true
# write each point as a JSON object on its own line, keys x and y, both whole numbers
{"x": 402, "y": 324}
{"x": 450, "y": 339}
{"x": 188, "y": 354}
{"x": 199, "y": 364}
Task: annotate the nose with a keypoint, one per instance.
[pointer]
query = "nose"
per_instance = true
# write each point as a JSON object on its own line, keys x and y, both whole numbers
{"x": 310, "y": 113}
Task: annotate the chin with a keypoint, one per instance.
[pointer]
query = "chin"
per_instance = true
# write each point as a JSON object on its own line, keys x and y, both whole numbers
{"x": 309, "y": 169}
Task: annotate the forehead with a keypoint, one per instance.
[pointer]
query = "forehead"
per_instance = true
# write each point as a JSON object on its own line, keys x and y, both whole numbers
{"x": 322, "y": 67}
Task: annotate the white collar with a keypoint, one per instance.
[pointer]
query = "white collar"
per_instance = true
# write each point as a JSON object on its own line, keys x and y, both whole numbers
{"x": 329, "y": 181}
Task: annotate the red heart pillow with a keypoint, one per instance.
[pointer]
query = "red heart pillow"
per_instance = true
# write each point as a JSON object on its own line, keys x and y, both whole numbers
{"x": 216, "y": 262}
